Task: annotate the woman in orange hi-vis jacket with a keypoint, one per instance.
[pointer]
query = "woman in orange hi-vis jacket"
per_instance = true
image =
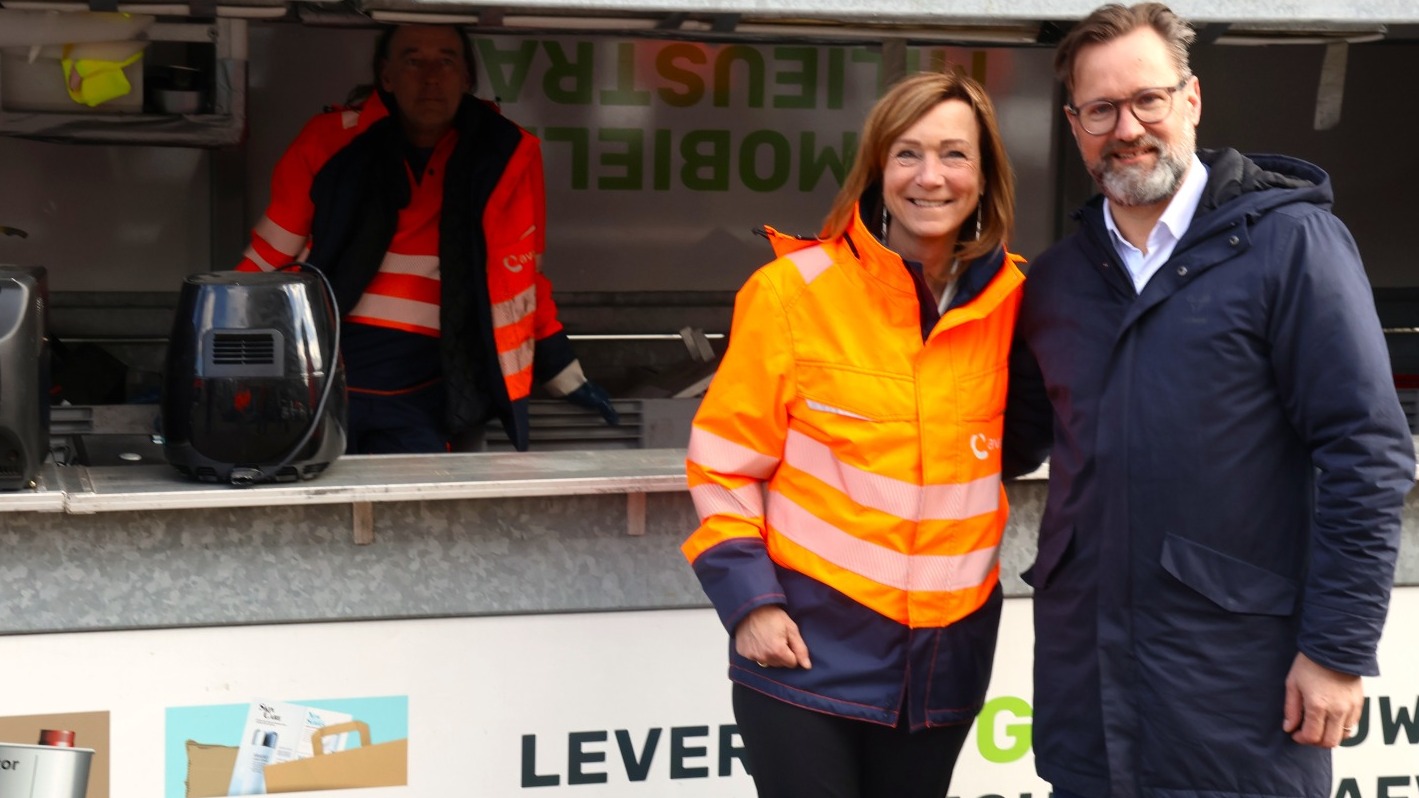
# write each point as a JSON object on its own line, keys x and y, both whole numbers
{"x": 846, "y": 461}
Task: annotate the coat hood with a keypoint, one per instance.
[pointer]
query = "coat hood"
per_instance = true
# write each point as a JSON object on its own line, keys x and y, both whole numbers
{"x": 1242, "y": 185}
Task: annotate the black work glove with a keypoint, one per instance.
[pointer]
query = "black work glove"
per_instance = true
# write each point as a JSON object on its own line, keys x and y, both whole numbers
{"x": 593, "y": 397}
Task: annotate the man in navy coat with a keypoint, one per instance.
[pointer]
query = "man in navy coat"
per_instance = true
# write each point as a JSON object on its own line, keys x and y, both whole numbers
{"x": 1203, "y": 364}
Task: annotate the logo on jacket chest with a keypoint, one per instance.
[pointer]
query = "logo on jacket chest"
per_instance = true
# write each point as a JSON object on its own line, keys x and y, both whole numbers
{"x": 517, "y": 261}
{"x": 982, "y": 445}
{"x": 1198, "y": 307}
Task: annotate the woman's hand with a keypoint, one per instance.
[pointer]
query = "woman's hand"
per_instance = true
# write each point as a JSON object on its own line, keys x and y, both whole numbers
{"x": 770, "y": 638}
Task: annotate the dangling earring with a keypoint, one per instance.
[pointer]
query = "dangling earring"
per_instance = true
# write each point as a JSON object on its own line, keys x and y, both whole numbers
{"x": 979, "y": 214}
{"x": 884, "y": 224}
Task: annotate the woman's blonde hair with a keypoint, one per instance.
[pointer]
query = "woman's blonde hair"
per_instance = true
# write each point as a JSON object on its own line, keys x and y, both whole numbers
{"x": 901, "y": 107}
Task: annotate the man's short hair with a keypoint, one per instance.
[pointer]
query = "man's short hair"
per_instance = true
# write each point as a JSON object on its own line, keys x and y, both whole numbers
{"x": 1114, "y": 20}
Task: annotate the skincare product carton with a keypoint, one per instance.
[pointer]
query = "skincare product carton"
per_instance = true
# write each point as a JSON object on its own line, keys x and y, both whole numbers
{"x": 277, "y": 732}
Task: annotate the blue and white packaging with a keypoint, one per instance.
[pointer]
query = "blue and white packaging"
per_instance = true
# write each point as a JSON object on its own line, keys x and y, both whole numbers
{"x": 278, "y": 731}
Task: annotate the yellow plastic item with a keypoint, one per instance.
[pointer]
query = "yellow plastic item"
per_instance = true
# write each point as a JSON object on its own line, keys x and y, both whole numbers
{"x": 92, "y": 81}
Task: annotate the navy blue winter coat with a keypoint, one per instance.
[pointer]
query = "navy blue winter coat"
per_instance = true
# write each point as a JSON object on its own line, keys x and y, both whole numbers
{"x": 1228, "y": 465}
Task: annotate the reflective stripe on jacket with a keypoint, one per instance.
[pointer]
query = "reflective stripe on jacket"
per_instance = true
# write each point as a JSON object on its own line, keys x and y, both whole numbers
{"x": 405, "y": 294}
{"x": 848, "y": 470}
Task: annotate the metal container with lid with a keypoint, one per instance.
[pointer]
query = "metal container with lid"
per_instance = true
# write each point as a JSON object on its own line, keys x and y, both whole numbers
{"x": 44, "y": 771}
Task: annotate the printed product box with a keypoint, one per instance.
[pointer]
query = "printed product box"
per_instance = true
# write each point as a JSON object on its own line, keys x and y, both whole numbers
{"x": 280, "y": 732}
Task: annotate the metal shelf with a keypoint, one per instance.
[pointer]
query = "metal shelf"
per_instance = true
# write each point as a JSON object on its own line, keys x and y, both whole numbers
{"x": 224, "y": 126}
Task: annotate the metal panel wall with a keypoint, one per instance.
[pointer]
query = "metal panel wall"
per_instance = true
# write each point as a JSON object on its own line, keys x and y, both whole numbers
{"x": 662, "y": 156}
{"x": 133, "y": 218}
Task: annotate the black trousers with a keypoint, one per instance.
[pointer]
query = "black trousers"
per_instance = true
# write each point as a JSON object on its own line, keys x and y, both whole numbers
{"x": 798, "y": 753}
{"x": 401, "y": 423}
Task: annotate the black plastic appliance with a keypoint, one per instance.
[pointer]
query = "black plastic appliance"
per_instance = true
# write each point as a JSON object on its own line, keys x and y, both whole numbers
{"x": 24, "y": 375}
{"x": 254, "y": 390}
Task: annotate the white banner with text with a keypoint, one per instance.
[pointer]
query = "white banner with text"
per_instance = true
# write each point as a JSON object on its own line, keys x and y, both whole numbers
{"x": 605, "y": 704}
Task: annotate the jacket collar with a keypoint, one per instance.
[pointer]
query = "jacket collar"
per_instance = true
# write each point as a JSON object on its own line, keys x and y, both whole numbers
{"x": 887, "y": 266}
{"x": 471, "y": 111}
{"x": 988, "y": 279}
{"x": 1237, "y": 185}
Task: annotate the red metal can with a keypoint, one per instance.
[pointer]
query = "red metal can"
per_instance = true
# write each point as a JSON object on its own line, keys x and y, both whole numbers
{"x": 59, "y": 738}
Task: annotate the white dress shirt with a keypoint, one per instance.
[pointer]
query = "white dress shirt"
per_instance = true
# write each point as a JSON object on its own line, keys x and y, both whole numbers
{"x": 1165, "y": 235}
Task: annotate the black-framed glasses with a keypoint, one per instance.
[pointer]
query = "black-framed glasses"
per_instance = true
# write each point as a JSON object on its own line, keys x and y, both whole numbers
{"x": 1149, "y": 106}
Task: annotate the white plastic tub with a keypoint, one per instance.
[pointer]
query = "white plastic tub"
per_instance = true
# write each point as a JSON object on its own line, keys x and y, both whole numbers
{"x": 44, "y": 771}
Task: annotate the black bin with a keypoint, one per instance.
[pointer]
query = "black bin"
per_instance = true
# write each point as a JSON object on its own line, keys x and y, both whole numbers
{"x": 254, "y": 390}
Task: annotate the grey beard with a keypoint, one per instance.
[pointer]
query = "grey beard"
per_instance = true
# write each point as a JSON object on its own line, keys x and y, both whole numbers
{"x": 1130, "y": 187}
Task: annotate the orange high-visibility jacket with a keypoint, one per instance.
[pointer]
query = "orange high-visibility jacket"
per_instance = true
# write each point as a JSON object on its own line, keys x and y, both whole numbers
{"x": 405, "y": 294}
{"x": 851, "y": 472}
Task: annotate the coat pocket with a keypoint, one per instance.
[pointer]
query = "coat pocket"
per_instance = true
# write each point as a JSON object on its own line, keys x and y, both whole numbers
{"x": 1052, "y": 552}
{"x": 963, "y": 656}
{"x": 982, "y": 394}
{"x": 1230, "y": 583}
{"x": 833, "y": 393}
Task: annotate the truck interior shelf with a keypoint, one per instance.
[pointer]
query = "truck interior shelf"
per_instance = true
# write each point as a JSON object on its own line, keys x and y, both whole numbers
{"x": 185, "y": 87}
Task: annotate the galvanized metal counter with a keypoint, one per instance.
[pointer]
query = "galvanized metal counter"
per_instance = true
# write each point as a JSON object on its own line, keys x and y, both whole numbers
{"x": 381, "y": 537}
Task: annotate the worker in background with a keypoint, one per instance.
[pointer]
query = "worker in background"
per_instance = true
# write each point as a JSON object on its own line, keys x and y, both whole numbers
{"x": 425, "y": 208}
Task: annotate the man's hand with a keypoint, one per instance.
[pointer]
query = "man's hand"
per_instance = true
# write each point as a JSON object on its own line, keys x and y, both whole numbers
{"x": 593, "y": 397}
{"x": 770, "y": 638}
{"x": 1322, "y": 706}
